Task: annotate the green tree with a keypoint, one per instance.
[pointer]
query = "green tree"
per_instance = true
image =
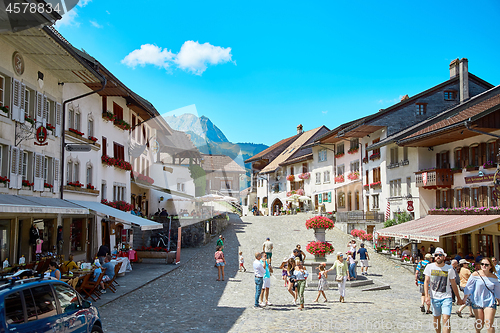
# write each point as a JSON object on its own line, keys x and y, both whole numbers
{"x": 400, "y": 218}
{"x": 198, "y": 174}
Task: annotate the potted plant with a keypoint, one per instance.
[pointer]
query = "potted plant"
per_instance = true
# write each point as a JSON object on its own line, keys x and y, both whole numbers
{"x": 29, "y": 120}
{"x": 339, "y": 155}
{"x": 304, "y": 175}
{"x": 290, "y": 178}
{"x": 92, "y": 138}
{"x": 4, "y": 181}
{"x": 120, "y": 123}
{"x": 374, "y": 156}
{"x": 489, "y": 165}
{"x": 353, "y": 175}
{"x": 319, "y": 224}
{"x": 471, "y": 167}
{"x": 5, "y": 109}
{"x": 339, "y": 179}
{"x": 47, "y": 185}
{"x": 26, "y": 183}
{"x": 108, "y": 115}
{"x": 77, "y": 132}
{"x": 319, "y": 249}
{"x": 353, "y": 150}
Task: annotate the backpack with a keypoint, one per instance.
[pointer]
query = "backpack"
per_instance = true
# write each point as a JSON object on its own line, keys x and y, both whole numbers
{"x": 420, "y": 275}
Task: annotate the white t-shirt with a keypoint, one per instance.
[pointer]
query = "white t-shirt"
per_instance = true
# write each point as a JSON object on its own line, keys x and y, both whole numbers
{"x": 439, "y": 285}
{"x": 241, "y": 260}
{"x": 259, "y": 270}
{"x": 268, "y": 246}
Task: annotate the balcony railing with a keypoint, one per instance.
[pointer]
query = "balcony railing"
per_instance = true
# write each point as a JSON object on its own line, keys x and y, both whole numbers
{"x": 434, "y": 178}
{"x": 360, "y": 216}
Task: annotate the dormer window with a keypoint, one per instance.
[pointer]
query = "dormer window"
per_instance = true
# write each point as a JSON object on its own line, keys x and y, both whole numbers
{"x": 421, "y": 109}
{"x": 450, "y": 95}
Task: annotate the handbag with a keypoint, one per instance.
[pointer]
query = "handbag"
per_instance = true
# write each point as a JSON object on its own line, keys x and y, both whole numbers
{"x": 339, "y": 278}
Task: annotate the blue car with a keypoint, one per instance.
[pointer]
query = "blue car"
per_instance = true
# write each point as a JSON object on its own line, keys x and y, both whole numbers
{"x": 41, "y": 305}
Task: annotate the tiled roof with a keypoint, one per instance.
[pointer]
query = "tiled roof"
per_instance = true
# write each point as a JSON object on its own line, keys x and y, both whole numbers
{"x": 220, "y": 163}
{"x": 177, "y": 140}
{"x": 291, "y": 150}
{"x": 431, "y": 227}
{"x": 263, "y": 153}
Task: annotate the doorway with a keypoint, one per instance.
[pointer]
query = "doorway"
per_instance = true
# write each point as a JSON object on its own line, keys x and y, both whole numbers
{"x": 485, "y": 245}
{"x": 276, "y": 207}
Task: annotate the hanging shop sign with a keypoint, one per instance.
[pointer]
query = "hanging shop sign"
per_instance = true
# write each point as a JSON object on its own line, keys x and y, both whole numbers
{"x": 41, "y": 136}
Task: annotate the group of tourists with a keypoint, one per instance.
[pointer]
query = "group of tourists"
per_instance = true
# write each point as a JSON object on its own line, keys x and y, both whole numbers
{"x": 440, "y": 282}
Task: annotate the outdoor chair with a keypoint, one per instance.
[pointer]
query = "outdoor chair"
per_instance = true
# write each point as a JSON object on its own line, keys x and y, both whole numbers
{"x": 90, "y": 289}
{"x": 43, "y": 265}
{"x": 109, "y": 284}
{"x": 117, "y": 269}
{"x": 84, "y": 279}
{"x": 29, "y": 265}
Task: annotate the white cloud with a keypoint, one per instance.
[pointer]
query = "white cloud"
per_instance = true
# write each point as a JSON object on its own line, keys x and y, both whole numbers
{"x": 68, "y": 19}
{"x": 83, "y": 3}
{"x": 193, "y": 57}
{"x": 95, "y": 24}
{"x": 324, "y": 112}
{"x": 149, "y": 54}
{"x": 108, "y": 12}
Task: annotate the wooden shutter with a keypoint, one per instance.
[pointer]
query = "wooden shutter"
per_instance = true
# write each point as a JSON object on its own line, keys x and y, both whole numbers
{"x": 452, "y": 198}
{"x": 465, "y": 157}
{"x": 22, "y": 111}
{"x": 14, "y": 165}
{"x": 45, "y": 115}
{"x": 39, "y": 107}
{"x": 16, "y": 100}
{"x": 58, "y": 119}
{"x": 56, "y": 168}
{"x": 104, "y": 146}
{"x": 38, "y": 172}
{"x": 483, "y": 196}
{"x": 438, "y": 161}
{"x": 466, "y": 197}
{"x": 446, "y": 160}
{"x": 438, "y": 199}
{"x": 482, "y": 153}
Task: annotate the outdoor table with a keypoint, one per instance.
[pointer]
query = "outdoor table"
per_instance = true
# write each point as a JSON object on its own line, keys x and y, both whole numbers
{"x": 126, "y": 267}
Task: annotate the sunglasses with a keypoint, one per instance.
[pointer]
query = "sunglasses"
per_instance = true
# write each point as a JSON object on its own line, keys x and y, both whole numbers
{"x": 484, "y": 264}
{"x": 438, "y": 255}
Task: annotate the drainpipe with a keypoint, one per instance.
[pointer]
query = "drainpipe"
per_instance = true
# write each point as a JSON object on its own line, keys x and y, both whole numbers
{"x": 63, "y": 125}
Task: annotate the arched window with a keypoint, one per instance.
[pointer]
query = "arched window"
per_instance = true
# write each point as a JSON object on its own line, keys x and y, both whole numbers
{"x": 88, "y": 179}
{"x": 341, "y": 201}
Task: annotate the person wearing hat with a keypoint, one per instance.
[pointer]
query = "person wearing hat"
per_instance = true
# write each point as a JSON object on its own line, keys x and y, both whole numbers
{"x": 267, "y": 247}
{"x": 419, "y": 281}
{"x": 439, "y": 281}
{"x": 342, "y": 272}
{"x": 464, "y": 274}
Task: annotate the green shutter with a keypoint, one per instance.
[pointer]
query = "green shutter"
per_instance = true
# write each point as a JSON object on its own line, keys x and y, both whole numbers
{"x": 329, "y": 196}
{"x": 319, "y": 196}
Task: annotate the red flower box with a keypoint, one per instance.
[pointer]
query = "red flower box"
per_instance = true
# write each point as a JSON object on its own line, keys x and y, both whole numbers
{"x": 75, "y": 184}
{"x": 320, "y": 248}
{"x": 76, "y": 131}
{"x": 93, "y": 138}
{"x": 121, "y": 205}
{"x": 319, "y": 222}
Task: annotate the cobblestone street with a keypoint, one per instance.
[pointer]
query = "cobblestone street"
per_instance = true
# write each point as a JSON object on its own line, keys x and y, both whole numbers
{"x": 189, "y": 298}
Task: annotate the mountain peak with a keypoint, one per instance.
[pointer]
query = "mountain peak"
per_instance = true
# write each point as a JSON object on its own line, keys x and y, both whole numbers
{"x": 201, "y": 127}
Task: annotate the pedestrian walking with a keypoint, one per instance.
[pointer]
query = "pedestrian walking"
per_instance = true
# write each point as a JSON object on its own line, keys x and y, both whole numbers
{"x": 419, "y": 281}
{"x": 456, "y": 267}
{"x": 351, "y": 246}
{"x": 220, "y": 262}
{"x": 242, "y": 263}
{"x": 284, "y": 272}
{"x": 301, "y": 275}
{"x": 483, "y": 288}
{"x": 220, "y": 242}
{"x": 439, "y": 281}
{"x": 352, "y": 266}
{"x": 363, "y": 258}
{"x": 267, "y": 247}
{"x": 342, "y": 272}
{"x": 292, "y": 280}
{"x": 464, "y": 275}
{"x": 322, "y": 282}
{"x": 266, "y": 282}
{"x": 259, "y": 272}
{"x": 301, "y": 254}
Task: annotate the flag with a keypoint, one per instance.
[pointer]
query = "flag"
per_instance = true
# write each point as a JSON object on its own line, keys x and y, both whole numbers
{"x": 388, "y": 211}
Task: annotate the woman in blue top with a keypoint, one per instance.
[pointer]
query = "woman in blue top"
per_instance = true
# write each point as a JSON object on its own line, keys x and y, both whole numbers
{"x": 484, "y": 289}
{"x": 301, "y": 276}
{"x": 54, "y": 271}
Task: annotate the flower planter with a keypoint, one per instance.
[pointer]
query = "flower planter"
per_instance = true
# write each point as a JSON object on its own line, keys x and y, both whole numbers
{"x": 472, "y": 168}
{"x": 320, "y": 234}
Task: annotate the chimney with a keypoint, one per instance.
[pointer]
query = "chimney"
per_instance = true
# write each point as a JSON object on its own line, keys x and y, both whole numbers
{"x": 454, "y": 68}
{"x": 464, "y": 79}
{"x": 299, "y": 129}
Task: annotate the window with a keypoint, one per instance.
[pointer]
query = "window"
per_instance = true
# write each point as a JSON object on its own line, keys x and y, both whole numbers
{"x": 30, "y": 305}
{"x": 376, "y": 174}
{"x": 68, "y": 298}
{"x": 492, "y": 151}
{"x": 458, "y": 195}
{"x": 375, "y": 201}
{"x": 46, "y": 170}
{"x": 118, "y": 151}
{"x": 354, "y": 143}
{"x": 71, "y": 117}
{"x": 322, "y": 155}
{"x": 376, "y": 151}
{"x": 340, "y": 170}
{"x": 88, "y": 179}
{"x": 450, "y": 95}
{"x": 355, "y": 166}
{"x": 474, "y": 197}
{"x": 304, "y": 168}
{"x": 394, "y": 155}
{"x": 341, "y": 201}
{"x": 458, "y": 158}
{"x": 326, "y": 177}
{"x": 104, "y": 104}
{"x": 421, "y": 108}
{"x": 44, "y": 301}
{"x": 395, "y": 188}
{"x": 90, "y": 128}
{"x": 405, "y": 154}
{"x": 340, "y": 148}
{"x": 224, "y": 184}
{"x": 408, "y": 185}
{"x": 180, "y": 187}
{"x": 76, "y": 172}
{"x": 25, "y": 165}
{"x": 14, "y": 313}
{"x": 118, "y": 193}
{"x": 104, "y": 188}
{"x": 318, "y": 177}
{"x": 134, "y": 121}
{"x": 104, "y": 146}
{"x": 367, "y": 176}
{"x": 2, "y": 92}
{"x": 69, "y": 171}
{"x": 27, "y": 104}
{"x": 117, "y": 111}
{"x": 474, "y": 155}
{"x": 443, "y": 160}
{"x": 77, "y": 121}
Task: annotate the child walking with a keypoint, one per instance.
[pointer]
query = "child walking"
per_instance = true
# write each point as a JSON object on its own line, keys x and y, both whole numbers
{"x": 322, "y": 283}
{"x": 284, "y": 272}
{"x": 242, "y": 261}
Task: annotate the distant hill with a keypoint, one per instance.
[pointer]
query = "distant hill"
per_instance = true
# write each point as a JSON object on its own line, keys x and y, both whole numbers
{"x": 210, "y": 140}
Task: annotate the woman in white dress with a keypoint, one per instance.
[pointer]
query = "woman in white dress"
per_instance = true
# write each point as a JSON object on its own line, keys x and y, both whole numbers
{"x": 322, "y": 283}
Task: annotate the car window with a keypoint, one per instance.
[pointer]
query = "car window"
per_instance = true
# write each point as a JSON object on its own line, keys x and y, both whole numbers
{"x": 44, "y": 301}
{"x": 30, "y": 305}
{"x": 14, "y": 313}
{"x": 68, "y": 298}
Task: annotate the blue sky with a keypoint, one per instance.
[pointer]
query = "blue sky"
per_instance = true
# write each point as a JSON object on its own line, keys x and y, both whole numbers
{"x": 258, "y": 69}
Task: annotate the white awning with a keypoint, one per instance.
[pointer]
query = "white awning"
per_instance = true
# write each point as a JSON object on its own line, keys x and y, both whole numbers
{"x": 20, "y": 204}
{"x": 119, "y": 215}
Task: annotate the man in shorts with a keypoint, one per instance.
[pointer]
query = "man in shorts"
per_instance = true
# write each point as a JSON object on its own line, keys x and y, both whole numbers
{"x": 267, "y": 247}
{"x": 363, "y": 257}
{"x": 439, "y": 281}
{"x": 266, "y": 282}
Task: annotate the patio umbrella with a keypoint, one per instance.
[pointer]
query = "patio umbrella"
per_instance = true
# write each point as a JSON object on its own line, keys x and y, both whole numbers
{"x": 293, "y": 197}
{"x": 304, "y": 198}
{"x": 211, "y": 197}
{"x": 228, "y": 199}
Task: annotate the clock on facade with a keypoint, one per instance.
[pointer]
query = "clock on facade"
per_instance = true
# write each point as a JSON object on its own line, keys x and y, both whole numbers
{"x": 18, "y": 63}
